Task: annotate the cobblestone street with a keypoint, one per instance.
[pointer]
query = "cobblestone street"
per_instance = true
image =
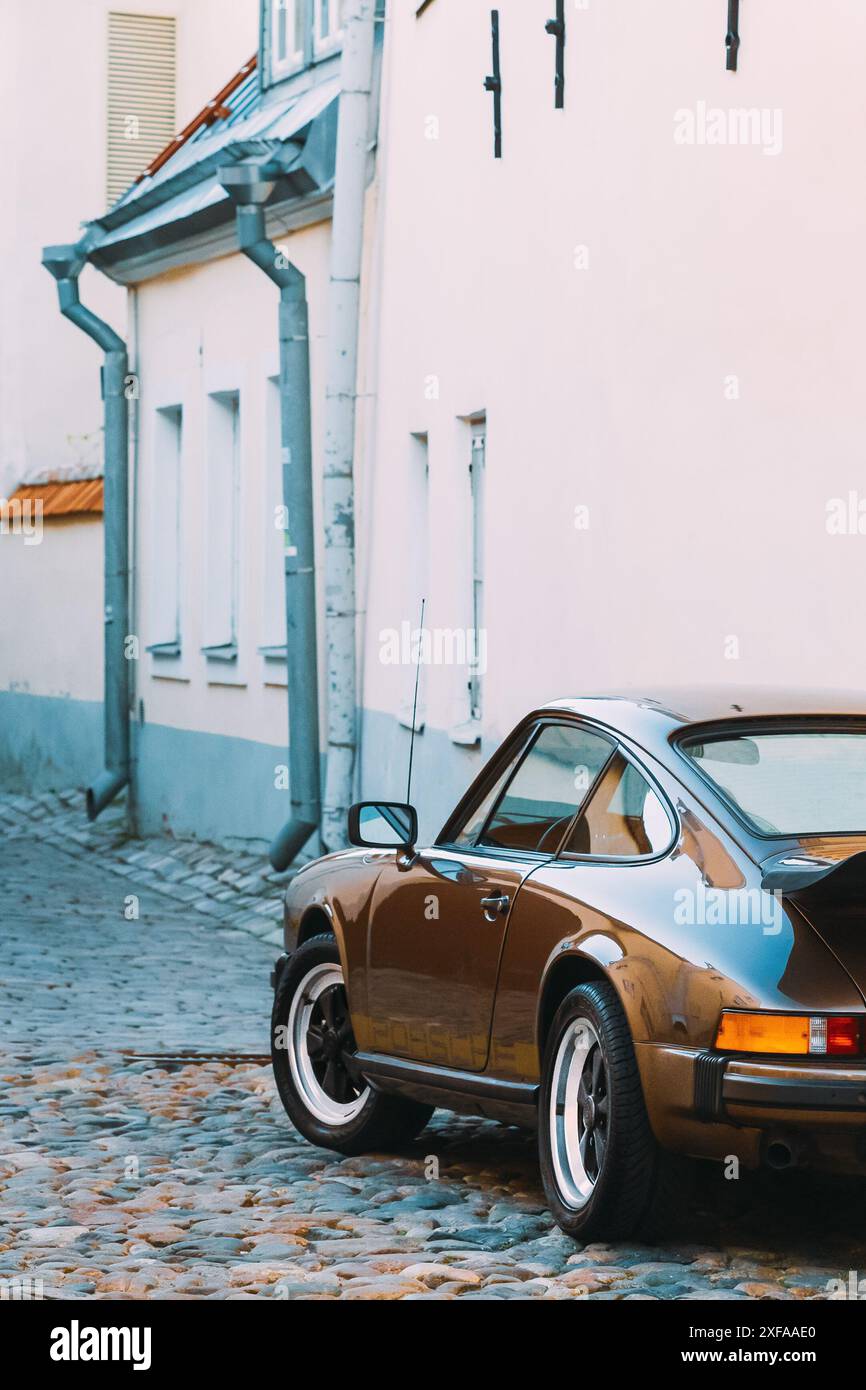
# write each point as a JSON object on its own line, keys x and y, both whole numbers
{"x": 159, "y": 1179}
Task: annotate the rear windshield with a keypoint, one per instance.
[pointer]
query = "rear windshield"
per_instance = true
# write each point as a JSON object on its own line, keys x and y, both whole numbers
{"x": 805, "y": 783}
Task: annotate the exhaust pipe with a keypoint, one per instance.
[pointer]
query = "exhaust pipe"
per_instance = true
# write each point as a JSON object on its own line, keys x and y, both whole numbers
{"x": 781, "y": 1152}
{"x": 65, "y": 263}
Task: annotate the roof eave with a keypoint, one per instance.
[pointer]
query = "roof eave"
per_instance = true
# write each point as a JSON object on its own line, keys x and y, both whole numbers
{"x": 302, "y": 196}
{"x": 200, "y": 239}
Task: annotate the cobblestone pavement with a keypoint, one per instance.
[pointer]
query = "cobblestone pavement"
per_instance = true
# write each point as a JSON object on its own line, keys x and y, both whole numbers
{"x": 235, "y": 887}
{"x": 159, "y": 1179}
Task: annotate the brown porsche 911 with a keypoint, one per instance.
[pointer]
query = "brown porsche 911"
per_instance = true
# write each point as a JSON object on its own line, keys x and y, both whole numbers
{"x": 642, "y": 932}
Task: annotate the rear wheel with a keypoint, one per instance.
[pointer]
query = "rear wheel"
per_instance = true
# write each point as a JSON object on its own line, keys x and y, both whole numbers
{"x": 313, "y": 1053}
{"x": 604, "y": 1174}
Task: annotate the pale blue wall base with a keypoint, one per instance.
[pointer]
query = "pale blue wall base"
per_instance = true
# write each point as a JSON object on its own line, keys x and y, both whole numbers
{"x": 188, "y": 784}
{"x": 212, "y": 787}
{"x": 208, "y": 786}
{"x": 441, "y": 769}
{"x": 47, "y": 743}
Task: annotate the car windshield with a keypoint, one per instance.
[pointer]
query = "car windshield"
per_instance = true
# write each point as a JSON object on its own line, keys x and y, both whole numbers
{"x": 810, "y": 782}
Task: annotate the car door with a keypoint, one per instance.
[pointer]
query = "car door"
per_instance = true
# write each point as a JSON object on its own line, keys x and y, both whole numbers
{"x": 437, "y": 924}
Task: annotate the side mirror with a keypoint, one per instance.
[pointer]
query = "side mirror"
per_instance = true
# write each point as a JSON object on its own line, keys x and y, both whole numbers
{"x": 383, "y": 825}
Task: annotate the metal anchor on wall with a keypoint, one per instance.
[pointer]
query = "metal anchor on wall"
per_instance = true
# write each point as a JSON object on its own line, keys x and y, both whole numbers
{"x": 556, "y": 27}
{"x": 494, "y": 84}
{"x": 732, "y": 37}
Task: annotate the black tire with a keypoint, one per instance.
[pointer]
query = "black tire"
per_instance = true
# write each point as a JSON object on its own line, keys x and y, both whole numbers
{"x": 311, "y": 1086}
{"x": 636, "y": 1188}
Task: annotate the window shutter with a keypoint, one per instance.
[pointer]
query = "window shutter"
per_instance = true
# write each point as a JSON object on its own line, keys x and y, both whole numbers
{"x": 141, "y": 95}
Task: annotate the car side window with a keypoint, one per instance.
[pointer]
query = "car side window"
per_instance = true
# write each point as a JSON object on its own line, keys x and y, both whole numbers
{"x": 547, "y": 789}
{"x": 623, "y": 819}
{"x": 478, "y": 818}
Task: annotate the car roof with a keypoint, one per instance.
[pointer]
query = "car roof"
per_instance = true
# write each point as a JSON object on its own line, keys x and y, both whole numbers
{"x": 652, "y": 716}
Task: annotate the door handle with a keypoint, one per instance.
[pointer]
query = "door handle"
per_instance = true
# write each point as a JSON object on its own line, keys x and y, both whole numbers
{"x": 493, "y": 907}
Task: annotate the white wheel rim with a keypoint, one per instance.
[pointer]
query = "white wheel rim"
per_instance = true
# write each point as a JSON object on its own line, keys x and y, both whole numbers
{"x": 310, "y": 1073}
{"x": 579, "y": 1113}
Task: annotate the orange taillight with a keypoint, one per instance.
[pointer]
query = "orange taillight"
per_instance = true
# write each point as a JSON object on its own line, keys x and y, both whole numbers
{"x": 791, "y": 1035}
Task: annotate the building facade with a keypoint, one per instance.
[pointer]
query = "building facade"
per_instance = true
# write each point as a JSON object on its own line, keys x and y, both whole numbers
{"x": 607, "y": 419}
{"x": 641, "y": 324}
{"x": 114, "y": 83}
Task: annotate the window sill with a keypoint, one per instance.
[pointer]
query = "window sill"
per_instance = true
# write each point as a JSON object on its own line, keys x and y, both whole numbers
{"x": 404, "y": 718}
{"x": 326, "y": 48}
{"x": 225, "y": 652}
{"x": 165, "y": 651}
{"x": 276, "y": 653}
{"x": 296, "y": 80}
{"x": 286, "y": 70}
{"x": 466, "y": 735}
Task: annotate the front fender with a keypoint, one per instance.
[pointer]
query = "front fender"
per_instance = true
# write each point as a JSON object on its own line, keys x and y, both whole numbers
{"x": 334, "y": 894}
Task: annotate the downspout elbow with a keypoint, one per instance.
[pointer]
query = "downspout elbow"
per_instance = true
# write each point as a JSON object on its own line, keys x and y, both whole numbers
{"x": 96, "y": 328}
{"x": 106, "y": 787}
{"x": 288, "y": 843}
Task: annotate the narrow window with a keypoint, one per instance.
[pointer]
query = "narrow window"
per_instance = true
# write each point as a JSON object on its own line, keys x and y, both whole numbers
{"x": 287, "y": 36}
{"x": 418, "y": 568}
{"x": 477, "y": 638}
{"x": 223, "y": 532}
{"x": 418, "y": 521}
{"x": 165, "y": 624}
{"x": 141, "y": 95}
{"x": 329, "y": 22}
{"x": 273, "y": 648}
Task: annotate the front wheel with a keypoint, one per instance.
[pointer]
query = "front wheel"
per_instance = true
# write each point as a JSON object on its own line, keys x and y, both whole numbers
{"x": 313, "y": 1054}
{"x": 604, "y": 1175}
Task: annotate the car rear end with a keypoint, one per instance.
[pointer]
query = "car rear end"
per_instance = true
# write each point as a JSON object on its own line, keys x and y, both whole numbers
{"x": 793, "y": 1082}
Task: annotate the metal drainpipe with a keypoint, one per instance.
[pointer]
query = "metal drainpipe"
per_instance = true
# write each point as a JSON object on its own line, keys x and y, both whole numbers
{"x": 66, "y": 263}
{"x": 338, "y": 490}
{"x": 250, "y": 185}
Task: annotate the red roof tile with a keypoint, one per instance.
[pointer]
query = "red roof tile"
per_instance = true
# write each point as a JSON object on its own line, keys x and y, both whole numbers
{"x": 63, "y": 499}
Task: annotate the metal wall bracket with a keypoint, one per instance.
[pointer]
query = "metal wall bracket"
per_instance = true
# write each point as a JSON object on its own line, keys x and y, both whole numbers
{"x": 494, "y": 84}
{"x": 556, "y": 27}
{"x": 732, "y": 37}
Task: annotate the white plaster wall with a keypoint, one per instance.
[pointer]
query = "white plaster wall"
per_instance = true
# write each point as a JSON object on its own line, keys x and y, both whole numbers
{"x": 606, "y": 387}
{"x": 52, "y": 609}
{"x": 53, "y": 149}
{"x": 202, "y": 330}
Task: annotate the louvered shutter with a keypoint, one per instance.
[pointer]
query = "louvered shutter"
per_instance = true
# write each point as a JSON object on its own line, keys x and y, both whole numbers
{"x": 141, "y": 95}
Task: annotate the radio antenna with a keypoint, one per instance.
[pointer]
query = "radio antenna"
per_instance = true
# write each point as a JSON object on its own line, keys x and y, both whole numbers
{"x": 415, "y": 702}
